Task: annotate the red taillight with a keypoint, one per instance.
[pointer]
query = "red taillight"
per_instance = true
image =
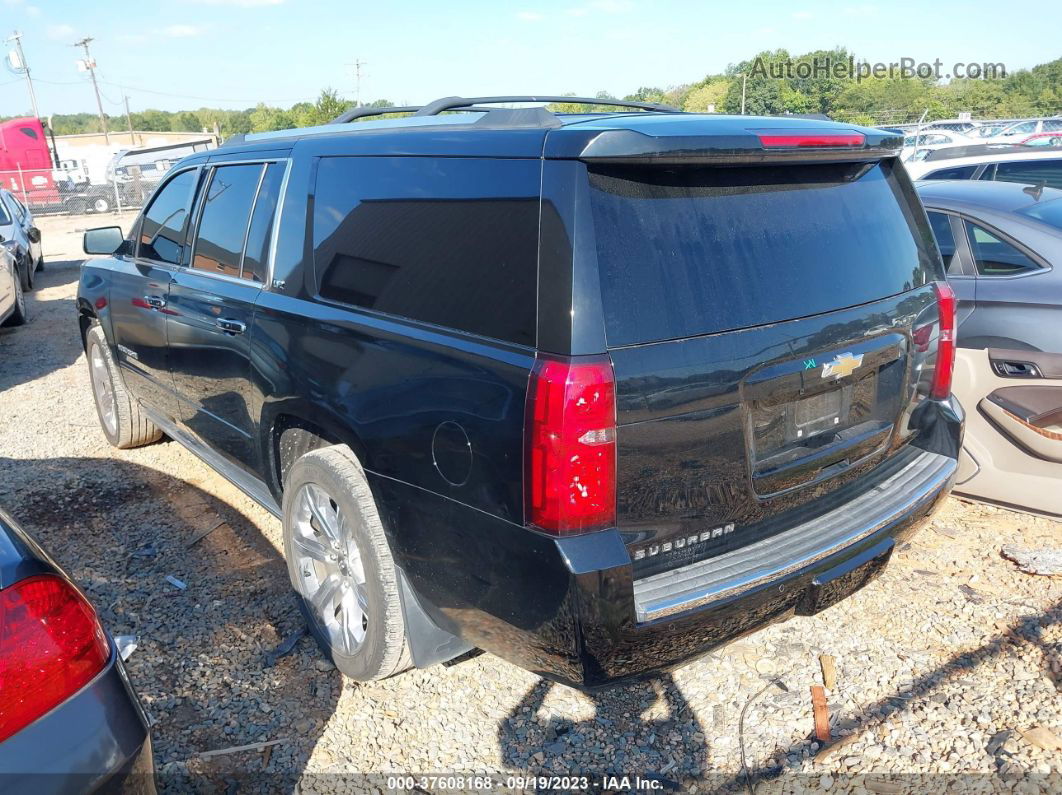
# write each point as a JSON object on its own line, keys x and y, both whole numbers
{"x": 945, "y": 364}
{"x": 770, "y": 141}
{"x": 51, "y": 645}
{"x": 571, "y": 446}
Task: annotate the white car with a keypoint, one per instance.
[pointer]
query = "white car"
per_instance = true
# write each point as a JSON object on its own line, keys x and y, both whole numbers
{"x": 1002, "y": 163}
{"x": 1020, "y": 130}
{"x": 932, "y": 140}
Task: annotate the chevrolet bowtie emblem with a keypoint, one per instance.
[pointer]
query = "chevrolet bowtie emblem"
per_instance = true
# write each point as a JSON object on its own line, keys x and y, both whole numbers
{"x": 843, "y": 365}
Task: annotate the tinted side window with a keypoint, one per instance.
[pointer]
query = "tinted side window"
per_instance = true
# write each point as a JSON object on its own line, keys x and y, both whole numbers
{"x": 255, "y": 258}
{"x": 163, "y": 229}
{"x": 5, "y": 217}
{"x": 1031, "y": 172}
{"x": 941, "y": 225}
{"x": 995, "y": 256}
{"x": 959, "y": 172}
{"x": 223, "y": 225}
{"x": 450, "y": 241}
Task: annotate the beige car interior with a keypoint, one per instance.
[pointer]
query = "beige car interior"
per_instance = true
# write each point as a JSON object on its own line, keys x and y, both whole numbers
{"x": 1012, "y": 451}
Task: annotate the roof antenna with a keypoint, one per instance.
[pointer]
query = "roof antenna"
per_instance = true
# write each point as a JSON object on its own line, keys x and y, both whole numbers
{"x": 1037, "y": 190}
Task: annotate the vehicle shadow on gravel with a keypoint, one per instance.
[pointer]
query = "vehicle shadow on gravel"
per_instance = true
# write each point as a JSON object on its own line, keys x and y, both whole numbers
{"x": 25, "y": 356}
{"x": 1033, "y": 632}
{"x": 645, "y": 729}
{"x": 204, "y": 666}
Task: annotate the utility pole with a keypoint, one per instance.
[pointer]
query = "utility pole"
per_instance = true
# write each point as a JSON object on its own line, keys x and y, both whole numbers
{"x": 91, "y": 66}
{"x": 358, "y": 63}
{"x": 24, "y": 67}
{"x": 743, "y": 79}
{"x": 129, "y": 121}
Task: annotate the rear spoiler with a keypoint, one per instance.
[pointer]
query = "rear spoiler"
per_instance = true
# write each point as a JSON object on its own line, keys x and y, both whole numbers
{"x": 752, "y": 145}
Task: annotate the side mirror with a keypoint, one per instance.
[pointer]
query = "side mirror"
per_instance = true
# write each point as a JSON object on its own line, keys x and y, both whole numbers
{"x": 34, "y": 234}
{"x": 103, "y": 240}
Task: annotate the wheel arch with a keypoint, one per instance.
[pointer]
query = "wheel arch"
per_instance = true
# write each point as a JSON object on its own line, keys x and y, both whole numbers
{"x": 295, "y": 430}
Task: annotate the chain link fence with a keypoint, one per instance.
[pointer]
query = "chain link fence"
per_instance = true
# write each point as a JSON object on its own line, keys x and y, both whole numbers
{"x": 55, "y": 192}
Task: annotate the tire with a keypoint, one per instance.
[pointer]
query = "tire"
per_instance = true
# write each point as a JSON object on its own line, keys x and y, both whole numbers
{"x": 40, "y": 264}
{"x": 341, "y": 566}
{"x": 121, "y": 418}
{"x": 26, "y": 274}
{"x": 100, "y": 204}
{"x": 19, "y": 316}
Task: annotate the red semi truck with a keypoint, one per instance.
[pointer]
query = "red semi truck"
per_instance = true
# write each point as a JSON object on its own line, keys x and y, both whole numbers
{"x": 26, "y": 162}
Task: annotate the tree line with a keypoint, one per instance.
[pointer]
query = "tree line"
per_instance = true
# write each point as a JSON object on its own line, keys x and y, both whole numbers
{"x": 875, "y": 100}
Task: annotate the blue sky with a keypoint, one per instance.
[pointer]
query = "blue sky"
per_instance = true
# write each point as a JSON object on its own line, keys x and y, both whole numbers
{"x": 175, "y": 54}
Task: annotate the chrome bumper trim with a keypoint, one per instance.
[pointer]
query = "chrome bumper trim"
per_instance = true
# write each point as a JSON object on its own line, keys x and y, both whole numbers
{"x": 730, "y": 574}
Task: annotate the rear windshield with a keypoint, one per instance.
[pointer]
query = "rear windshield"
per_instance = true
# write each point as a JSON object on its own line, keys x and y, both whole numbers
{"x": 1050, "y": 212}
{"x": 696, "y": 250}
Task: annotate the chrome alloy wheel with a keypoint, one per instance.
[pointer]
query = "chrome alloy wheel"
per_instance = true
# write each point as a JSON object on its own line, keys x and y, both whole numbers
{"x": 103, "y": 391}
{"x": 330, "y": 570}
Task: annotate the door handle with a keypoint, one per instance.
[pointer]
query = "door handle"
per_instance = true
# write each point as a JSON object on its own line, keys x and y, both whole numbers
{"x": 230, "y": 326}
{"x": 1015, "y": 369}
{"x": 155, "y": 301}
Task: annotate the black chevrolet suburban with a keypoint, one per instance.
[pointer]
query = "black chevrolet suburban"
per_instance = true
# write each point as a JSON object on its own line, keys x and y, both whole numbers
{"x": 594, "y": 392}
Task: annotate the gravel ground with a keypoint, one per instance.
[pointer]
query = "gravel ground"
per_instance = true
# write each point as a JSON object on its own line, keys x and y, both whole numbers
{"x": 944, "y": 664}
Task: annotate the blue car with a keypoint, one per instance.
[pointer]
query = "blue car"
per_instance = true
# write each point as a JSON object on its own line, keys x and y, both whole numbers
{"x": 69, "y": 719}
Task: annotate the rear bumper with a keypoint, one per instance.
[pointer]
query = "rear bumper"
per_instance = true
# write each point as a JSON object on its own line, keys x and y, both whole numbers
{"x": 95, "y": 741}
{"x": 636, "y": 627}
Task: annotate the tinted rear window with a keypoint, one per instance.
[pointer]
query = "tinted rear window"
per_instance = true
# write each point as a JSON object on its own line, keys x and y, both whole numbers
{"x": 450, "y": 241}
{"x": 696, "y": 250}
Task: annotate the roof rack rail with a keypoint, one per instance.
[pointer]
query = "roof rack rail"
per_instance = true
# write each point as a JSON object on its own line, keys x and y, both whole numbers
{"x": 467, "y": 103}
{"x": 365, "y": 110}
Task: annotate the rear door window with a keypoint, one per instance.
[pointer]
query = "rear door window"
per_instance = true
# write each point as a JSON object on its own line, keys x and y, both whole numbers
{"x": 162, "y": 232}
{"x": 684, "y": 251}
{"x": 449, "y": 241}
{"x": 224, "y": 220}
{"x": 959, "y": 172}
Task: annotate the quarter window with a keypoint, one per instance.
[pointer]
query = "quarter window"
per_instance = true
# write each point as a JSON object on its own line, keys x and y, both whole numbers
{"x": 995, "y": 256}
{"x": 223, "y": 225}
{"x": 1031, "y": 172}
{"x": 941, "y": 225}
{"x": 162, "y": 232}
{"x": 449, "y": 241}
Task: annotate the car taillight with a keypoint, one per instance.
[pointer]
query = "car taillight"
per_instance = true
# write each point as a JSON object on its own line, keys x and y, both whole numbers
{"x": 570, "y": 475}
{"x": 51, "y": 645}
{"x": 945, "y": 364}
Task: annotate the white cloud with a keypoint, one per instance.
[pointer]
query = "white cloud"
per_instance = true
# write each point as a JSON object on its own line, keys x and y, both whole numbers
{"x": 182, "y": 31}
{"x": 528, "y": 16}
{"x": 580, "y": 11}
{"x": 57, "y": 32}
{"x": 766, "y": 31}
{"x": 803, "y": 15}
{"x": 33, "y": 11}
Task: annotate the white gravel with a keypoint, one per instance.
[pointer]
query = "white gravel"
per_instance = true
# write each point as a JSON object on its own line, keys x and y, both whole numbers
{"x": 942, "y": 664}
